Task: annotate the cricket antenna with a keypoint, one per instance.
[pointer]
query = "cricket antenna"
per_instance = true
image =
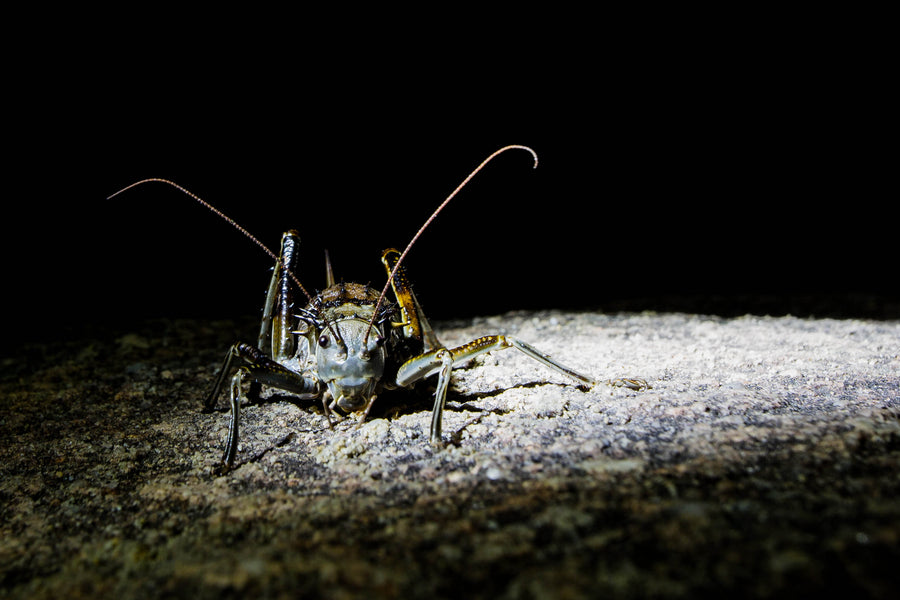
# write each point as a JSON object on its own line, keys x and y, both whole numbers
{"x": 428, "y": 222}
{"x": 231, "y": 221}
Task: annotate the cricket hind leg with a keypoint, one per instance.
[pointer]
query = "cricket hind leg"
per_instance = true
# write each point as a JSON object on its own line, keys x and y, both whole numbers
{"x": 532, "y": 352}
{"x": 442, "y": 360}
{"x": 413, "y": 322}
{"x": 276, "y": 337}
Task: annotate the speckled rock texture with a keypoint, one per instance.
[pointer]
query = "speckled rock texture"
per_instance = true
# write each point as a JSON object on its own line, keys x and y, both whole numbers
{"x": 764, "y": 462}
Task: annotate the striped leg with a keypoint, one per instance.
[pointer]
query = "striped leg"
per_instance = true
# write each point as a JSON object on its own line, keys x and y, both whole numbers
{"x": 441, "y": 361}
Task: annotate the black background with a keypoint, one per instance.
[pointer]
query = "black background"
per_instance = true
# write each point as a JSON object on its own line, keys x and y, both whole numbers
{"x": 676, "y": 172}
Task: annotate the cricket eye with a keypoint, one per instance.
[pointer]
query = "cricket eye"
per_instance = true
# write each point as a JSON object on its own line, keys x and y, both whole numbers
{"x": 323, "y": 341}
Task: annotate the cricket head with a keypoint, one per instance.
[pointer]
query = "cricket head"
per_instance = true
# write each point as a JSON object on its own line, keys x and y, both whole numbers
{"x": 350, "y": 363}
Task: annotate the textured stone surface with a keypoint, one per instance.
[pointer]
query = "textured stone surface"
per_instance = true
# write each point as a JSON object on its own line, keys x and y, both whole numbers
{"x": 763, "y": 462}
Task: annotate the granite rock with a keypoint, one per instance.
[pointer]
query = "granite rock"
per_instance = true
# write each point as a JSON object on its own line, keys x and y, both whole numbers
{"x": 764, "y": 461}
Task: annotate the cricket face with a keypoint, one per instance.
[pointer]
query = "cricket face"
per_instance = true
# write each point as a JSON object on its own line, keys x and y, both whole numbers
{"x": 349, "y": 364}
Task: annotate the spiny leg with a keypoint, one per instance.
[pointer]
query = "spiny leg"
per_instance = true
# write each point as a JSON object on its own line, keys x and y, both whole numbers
{"x": 275, "y": 332}
{"x": 441, "y": 361}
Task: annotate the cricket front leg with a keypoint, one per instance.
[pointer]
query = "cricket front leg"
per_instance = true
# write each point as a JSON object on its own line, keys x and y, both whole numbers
{"x": 259, "y": 370}
{"x": 420, "y": 367}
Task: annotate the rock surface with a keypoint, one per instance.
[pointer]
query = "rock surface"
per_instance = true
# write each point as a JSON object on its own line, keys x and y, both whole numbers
{"x": 764, "y": 461}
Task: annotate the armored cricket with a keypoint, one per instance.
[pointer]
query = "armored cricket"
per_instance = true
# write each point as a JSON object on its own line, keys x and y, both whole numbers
{"x": 349, "y": 342}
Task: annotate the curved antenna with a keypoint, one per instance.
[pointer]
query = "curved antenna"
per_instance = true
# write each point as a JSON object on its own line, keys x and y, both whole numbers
{"x": 231, "y": 222}
{"x": 431, "y": 218}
